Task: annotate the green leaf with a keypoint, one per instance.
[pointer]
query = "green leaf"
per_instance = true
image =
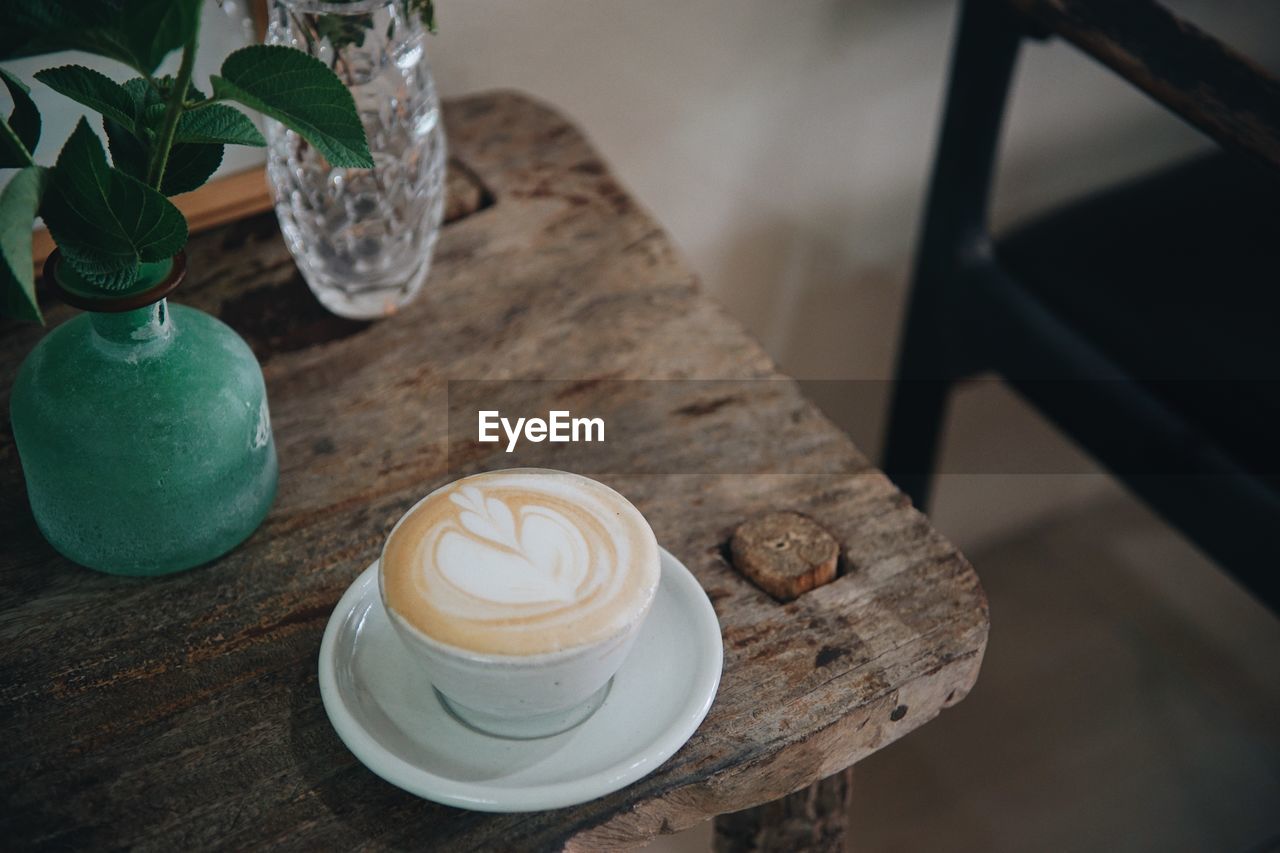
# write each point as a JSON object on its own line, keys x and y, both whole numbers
{"x": 104, "y": 221}
{"x": 128, "y": 153}
{"x": 300, "y": 92}
{"x": 154, "y": 28}
{"x": 92, "y": 88}
{"x": 139, "y": 33}
{"x": 32, "y": 28}
{"x": 189, "y": 166}
{"x": 131, "y": 141}
{"x": 18, "y": 205}
{"x": 218, "y": 123}
{"x": 142, "y": 94}
{"x": 50, "y": 26}
{"x": 149, "y": 105}
{"x": 19, "y": 135}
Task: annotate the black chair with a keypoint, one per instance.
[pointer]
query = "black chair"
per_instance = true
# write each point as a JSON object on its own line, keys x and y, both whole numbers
{"x": 1143, "y": 321}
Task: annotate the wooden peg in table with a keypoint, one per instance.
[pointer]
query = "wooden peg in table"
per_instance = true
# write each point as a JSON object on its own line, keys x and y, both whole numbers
{"x": 786, "y": 554}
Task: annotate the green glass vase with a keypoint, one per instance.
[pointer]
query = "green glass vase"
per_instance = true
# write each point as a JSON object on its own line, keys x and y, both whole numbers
{"x": 143, "y": 429}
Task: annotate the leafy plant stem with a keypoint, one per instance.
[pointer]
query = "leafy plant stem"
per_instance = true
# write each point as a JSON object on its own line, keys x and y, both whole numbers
{"x": 346, "y": 68}
{"x": 164, "y": 142}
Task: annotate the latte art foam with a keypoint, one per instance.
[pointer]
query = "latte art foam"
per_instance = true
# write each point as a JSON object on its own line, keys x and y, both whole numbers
{"x": 521, "y": 562}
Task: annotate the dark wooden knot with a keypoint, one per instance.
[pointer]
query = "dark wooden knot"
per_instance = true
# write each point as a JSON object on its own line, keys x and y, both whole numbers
{"x": 786, "y": 554}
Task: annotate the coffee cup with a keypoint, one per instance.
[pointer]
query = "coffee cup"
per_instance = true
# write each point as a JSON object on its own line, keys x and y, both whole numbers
{"x": 519, "y": 593}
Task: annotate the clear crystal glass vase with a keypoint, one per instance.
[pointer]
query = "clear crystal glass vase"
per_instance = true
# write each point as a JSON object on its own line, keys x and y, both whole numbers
{"x": 363, "y": 238}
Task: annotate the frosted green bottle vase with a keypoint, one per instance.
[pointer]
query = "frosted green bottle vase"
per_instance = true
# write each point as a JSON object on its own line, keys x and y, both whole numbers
{"x": 143, "y": 431}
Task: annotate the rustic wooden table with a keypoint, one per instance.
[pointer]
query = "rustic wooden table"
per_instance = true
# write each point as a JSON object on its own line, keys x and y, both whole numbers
{"x": 184, "y": 713}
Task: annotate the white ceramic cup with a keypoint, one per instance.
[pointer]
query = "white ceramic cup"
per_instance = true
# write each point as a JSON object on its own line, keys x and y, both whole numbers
{"x": 521, "y": 695}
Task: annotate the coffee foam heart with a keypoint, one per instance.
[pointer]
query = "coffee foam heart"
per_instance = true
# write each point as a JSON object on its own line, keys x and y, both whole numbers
{"x": 521, "y": 562}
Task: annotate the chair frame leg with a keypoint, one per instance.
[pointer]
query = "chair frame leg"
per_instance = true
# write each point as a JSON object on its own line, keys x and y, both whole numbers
{"x": 938, "y": 344}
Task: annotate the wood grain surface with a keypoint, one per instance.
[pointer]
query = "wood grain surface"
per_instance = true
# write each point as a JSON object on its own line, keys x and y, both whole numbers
{"x": 183, "y": 713}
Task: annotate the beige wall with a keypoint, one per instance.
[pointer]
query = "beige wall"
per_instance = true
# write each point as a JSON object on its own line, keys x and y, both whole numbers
{"x": 785, "y": 146}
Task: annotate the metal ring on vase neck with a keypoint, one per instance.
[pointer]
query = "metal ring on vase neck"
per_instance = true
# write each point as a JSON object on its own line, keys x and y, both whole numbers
{"x": 114, "y": 305}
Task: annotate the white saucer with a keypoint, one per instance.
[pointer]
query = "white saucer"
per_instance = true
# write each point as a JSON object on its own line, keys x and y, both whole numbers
{"x": 387, "y": 714}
